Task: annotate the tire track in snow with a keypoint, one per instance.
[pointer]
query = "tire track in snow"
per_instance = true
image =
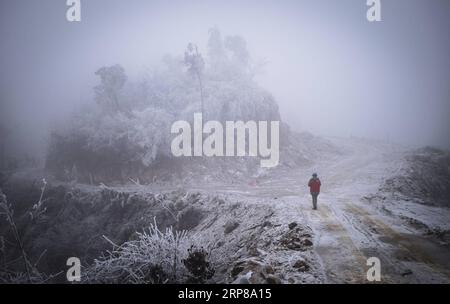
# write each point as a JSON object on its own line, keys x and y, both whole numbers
{"x": 399, "y": 252}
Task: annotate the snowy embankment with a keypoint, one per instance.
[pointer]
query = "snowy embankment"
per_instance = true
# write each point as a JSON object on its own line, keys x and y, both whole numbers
{"x": 243, "y": 240}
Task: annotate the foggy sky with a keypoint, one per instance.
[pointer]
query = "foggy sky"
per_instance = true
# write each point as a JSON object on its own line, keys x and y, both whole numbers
{"x": 330, "y": 70}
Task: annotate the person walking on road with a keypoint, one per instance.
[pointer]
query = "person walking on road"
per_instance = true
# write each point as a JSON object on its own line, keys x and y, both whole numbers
{"x": 314, "y": 187}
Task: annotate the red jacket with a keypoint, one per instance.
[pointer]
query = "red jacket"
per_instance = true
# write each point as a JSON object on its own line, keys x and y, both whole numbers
{"x": 314, "y": 185}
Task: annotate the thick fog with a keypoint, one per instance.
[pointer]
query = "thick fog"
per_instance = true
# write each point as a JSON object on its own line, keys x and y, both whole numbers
{"x": 331, "y": 71}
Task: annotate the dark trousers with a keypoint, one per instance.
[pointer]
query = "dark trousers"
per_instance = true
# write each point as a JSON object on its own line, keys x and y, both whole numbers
{"x": 314, "y": 199}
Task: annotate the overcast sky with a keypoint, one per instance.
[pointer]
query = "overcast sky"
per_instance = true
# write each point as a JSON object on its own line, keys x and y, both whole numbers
{"x": 330, "y": 70}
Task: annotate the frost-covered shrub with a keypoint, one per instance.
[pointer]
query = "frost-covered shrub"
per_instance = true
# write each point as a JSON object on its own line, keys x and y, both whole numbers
{"x": 154, "y": 257}
{"x": 150, "y": 134}
{"x": 198, "y": 266}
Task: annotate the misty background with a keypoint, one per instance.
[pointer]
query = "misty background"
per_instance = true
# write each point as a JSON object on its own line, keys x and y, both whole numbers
{"x": 331, "y": 71}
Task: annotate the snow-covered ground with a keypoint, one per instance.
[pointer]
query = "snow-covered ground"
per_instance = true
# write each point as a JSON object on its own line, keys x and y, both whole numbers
{"x": 348, "y": 228}
{"x": 265, "y": 231}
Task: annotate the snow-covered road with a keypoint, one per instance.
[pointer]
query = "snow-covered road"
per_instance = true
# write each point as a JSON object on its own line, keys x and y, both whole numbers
{"x": 348, "y": 229}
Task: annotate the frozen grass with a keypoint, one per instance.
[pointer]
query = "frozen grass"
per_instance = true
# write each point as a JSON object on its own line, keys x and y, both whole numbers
{"x": 31, "y": 273}
{"x": 154, "y": 257}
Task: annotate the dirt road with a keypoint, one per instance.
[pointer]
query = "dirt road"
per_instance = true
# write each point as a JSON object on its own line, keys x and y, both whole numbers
{"x": 347, "y": 229}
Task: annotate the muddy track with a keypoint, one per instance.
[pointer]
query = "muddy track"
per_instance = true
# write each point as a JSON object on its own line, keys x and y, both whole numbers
{"x": 341, "y": 258}
{"x": 407, "y": 258}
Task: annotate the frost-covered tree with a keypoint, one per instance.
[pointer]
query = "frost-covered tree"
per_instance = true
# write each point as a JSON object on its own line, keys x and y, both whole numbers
{"x": 238, "y": 48}
{"x": 107, "y": 94}
{"x": 229, "y": 58}
{"x": 196, "y": 65}
{"x": 216, "y": 50}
